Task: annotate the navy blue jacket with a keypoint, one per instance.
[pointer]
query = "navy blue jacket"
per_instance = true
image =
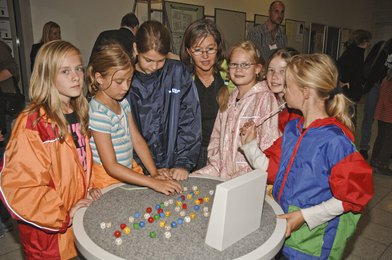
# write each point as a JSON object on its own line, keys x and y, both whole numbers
{"x": 166, "y": 109}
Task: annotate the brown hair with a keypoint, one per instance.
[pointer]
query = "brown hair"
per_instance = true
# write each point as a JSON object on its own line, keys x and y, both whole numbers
{"x": 109, "y": 58}
{"x": 358, "y": 37}
{"x": 197, "y": 32}
{"x": 284, "y": 53}
{"x": 153, "y": 35}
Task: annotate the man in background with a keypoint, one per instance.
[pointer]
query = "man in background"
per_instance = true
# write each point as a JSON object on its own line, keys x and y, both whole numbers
{"x": 125, "y": 36}
{"x": 268, "y": 36}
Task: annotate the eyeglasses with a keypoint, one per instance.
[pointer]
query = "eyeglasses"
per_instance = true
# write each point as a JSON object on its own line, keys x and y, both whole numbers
{"x": 199, "y": 52}
{"x": 243, "y": 66}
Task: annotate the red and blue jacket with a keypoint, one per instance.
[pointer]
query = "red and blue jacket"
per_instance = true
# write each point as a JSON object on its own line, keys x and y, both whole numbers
{"x": 310, "y": 166}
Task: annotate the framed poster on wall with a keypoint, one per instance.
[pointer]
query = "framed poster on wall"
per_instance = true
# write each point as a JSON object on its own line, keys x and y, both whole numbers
{"x": 317, "y": 38}
{"x": 332, "y": 42}
{"x": 3, "y": 8}
{"x": 295, "y": 32}
{"x": 344, "y": 36}
{"x": 179, "y": 16}
{"x": 156, "y": 15}
{"x": 232, "y": 24}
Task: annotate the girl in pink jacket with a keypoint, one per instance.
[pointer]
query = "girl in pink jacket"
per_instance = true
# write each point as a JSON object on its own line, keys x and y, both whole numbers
{"x": 250, "y": 100}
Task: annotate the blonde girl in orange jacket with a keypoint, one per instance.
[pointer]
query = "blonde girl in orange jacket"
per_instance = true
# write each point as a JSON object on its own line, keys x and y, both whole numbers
{"x": 47, "y": 162}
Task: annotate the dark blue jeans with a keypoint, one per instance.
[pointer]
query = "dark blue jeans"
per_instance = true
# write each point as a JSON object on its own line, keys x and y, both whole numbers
{"x": 371, "y": 99}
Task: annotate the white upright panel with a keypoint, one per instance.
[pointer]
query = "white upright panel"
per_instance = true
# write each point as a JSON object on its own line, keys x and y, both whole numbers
{"x": 237, "y": 209}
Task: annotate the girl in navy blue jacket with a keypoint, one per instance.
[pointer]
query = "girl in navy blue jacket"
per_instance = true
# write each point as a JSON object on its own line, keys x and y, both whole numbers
{"x": 165, "y": 103}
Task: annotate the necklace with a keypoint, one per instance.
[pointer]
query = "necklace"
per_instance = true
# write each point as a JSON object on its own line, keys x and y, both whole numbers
{"x": 207, "y": 82}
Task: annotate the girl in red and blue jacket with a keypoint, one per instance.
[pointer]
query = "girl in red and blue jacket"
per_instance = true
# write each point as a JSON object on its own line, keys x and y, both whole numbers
{"x": 320, "y": 179}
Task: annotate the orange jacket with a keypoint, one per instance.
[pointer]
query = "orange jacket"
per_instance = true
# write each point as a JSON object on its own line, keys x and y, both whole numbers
{"x": 41, "y": 180}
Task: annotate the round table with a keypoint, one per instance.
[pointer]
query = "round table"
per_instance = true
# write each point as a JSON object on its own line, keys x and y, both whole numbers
{"x": 119, "y": 202}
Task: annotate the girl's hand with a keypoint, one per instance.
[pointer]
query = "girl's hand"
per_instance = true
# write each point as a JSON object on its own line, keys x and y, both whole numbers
{"x": 80, "y": 204}
{"x": 161, "y": 177}
{"x": 294, "y": 219}
{"x": 166, "y": 187}
{"x": 164, "y": 172}
{"x": 179, "y": 174}
{"x": 95, "y": 193}
{"x": 248, "y": 132}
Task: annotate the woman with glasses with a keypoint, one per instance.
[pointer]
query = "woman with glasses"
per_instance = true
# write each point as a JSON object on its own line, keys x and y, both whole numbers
{"x": 202, "y": 51}
{"x": 250, "y": 100}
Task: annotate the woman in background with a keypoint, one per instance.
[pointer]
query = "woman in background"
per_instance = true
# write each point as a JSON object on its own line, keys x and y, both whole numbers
{"x": 350, "y": 66}
{"x": 50, "y": 32}
{"x": 382, "y": 149}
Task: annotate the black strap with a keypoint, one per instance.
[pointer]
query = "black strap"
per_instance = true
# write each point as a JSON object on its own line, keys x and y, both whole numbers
{"x": 337, "y": 90}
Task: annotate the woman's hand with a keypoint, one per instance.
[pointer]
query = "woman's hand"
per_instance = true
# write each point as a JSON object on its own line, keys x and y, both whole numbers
{"x": 294, "y": 219}
{"x": 179, "y": 174}
{"x": 248, "y": 132}
{"x": 95, "y": 193}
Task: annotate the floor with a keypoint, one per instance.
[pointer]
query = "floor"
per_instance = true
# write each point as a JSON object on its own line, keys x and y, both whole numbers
{"x": 372, "y": 240}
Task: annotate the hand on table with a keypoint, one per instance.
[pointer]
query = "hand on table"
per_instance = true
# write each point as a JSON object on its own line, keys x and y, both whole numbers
{"x": 294, "y": 219}
{"x": 166, "y": 187}
{"x": 164, "y": 174}
{"x": 179, "y": 174}
{"x": 80, "y": 204}
{"x": 95, "y": 193}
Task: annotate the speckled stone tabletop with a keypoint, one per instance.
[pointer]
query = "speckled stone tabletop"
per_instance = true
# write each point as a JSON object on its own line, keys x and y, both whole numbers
{"x": 187, "y": 239}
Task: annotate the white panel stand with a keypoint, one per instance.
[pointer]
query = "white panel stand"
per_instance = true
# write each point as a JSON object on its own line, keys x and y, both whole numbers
{"x": 237, "y": 209}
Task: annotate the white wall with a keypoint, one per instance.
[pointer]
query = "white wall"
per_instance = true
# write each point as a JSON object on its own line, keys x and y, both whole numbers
{"x": 345, "y": 13}
{"x": 82, "y": 20}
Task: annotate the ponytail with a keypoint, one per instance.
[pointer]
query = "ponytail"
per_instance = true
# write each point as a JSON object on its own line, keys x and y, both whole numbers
{"x": 318, "y": 71}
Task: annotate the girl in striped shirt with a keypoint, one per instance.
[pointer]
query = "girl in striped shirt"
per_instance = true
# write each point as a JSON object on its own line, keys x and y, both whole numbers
{"x": 114, "y": 133}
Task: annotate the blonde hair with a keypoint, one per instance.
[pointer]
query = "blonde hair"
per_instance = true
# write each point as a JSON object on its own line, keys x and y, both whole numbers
{"x": 43, "y": 92}
{"x": 46, "y": 31}
{"x": 108, "y": 59}
{"x": 252, "y": 50}
{"x": 318, "y": 71}
{"x": 223, "y": 94}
